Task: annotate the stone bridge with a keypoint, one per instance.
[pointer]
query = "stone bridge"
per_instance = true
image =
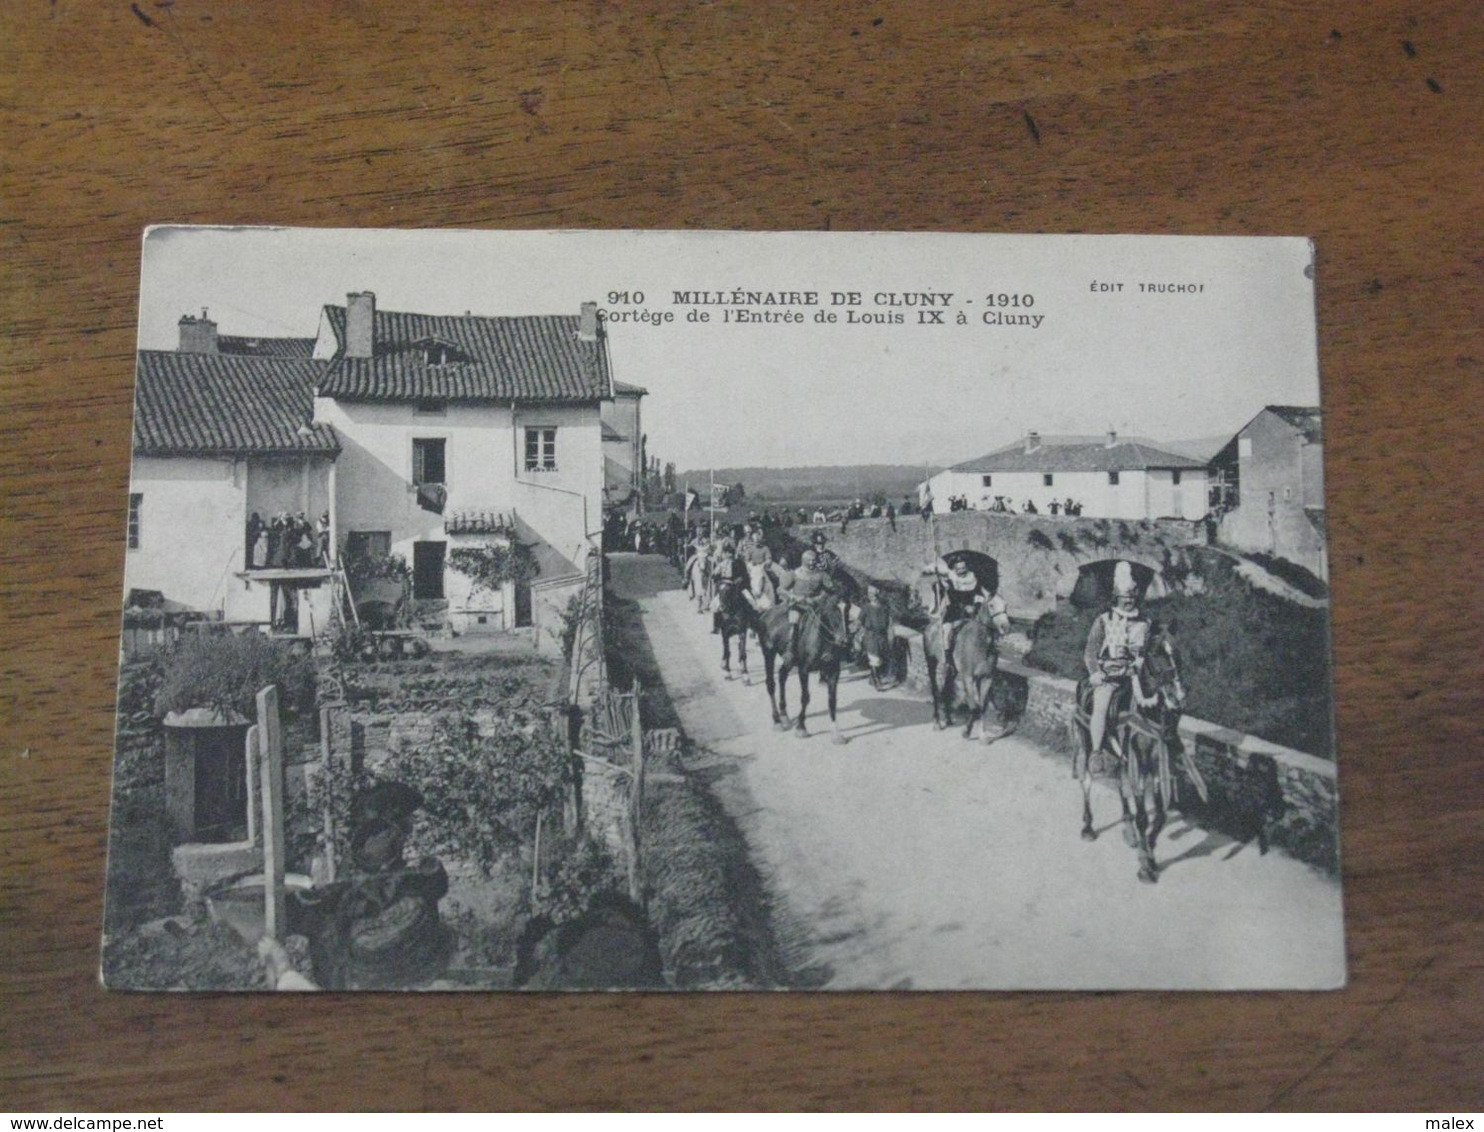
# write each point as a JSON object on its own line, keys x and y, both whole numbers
{"x": 1040, "y": 558}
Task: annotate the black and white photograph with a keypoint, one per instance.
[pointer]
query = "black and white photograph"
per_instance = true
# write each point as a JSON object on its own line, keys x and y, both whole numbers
{"x": 641, "y": 611}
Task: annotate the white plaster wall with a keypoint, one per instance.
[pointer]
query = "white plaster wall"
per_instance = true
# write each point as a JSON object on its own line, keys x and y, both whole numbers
{"x": 1137, "y": 495}
{"x": 564, "y": 505}
{"x": 288, "y": 484}
{"x": 1185, "y": 500}
{"x": 192, "y": 527}
{"x": 484, "y": 451}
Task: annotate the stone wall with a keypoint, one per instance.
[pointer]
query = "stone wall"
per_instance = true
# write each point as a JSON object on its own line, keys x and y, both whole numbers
{"x": 1257, "y": 790}
{"x": 1039, "y": 557}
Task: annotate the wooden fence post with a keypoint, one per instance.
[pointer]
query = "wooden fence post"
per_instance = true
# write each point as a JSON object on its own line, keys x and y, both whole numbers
{"x": 327, "y": 770}
{"x": 254, "y": 780}
{"x": 270, "y": 749}
{"x": 636, "y": 802}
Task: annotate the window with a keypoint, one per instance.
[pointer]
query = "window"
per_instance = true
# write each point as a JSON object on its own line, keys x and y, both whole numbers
{"x": 1112, "y": 479}
{"x": 1047, "y": 479}
{"x": 134, "y": 504}
{"x": 365, "y": 545}
{"x": 541, "y": 449}
{"x": 1244, "y": 446}
{"x": 427, "y": 461}
{"x": 987, "y": 481}
{"x": 431, "y": 407}
{"x": 1175, "y": 477}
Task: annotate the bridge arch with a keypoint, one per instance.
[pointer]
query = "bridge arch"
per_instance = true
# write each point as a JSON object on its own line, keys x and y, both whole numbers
{"x": 1093, "y": 586}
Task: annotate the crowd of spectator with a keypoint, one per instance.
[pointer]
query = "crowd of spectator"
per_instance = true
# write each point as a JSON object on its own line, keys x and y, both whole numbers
{"x": 1004, "y": 505}
{"x": 287, "y": 542}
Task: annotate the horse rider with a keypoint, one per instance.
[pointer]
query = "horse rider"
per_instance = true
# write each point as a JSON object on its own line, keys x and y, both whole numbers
{"x": 698, "y": 572}
{"x": 828, "y": 562}
{"x": 1115, "y": 650}
{"x": 726, "y": 571}
{"x": 958, "y": 597}
{"x": 810, "y": 585}
{"x": 762, "y": 588}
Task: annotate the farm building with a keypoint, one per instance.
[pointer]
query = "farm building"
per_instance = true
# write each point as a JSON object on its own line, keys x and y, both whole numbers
{"x": 1109, "y": 476}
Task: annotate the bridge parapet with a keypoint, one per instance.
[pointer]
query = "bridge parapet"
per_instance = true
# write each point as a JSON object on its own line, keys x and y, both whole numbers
{"x": 1039, "y": 557}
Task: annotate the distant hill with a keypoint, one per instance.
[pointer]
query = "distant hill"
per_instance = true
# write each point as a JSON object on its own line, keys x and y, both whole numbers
{"x": 1202, "y": 449}
{"x": 827, "y": 482}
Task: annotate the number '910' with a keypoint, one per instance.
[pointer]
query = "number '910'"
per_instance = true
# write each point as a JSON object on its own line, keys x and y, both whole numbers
{"x": 617, "y": 297}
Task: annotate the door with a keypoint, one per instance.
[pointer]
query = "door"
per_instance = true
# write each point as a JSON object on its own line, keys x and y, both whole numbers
{"x": 522, "y": 605}
{"x": 221, "y": 783}
{"x": 427, "y": 570}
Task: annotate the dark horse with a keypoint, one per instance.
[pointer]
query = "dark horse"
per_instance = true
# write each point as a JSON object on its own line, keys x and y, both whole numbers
{"x": 1142, "y": 733}
{"x": 823, "y": 644}
{"x": 973, "y": 682}
{"x": 735, "y": 615}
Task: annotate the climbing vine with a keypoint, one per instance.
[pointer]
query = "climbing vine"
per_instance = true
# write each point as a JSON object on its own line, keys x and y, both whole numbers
{"x": 494, "y": 565}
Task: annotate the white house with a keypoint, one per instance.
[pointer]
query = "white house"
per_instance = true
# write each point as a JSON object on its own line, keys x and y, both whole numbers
{"x": 222, "y": 429}
{"x": 415, "y": 434}
{"x": 1111, "y": 478}
{"x": 458, "y": 430}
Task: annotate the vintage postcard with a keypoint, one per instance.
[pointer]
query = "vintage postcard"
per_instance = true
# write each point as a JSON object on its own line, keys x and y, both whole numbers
{"x": 724, "y": 611}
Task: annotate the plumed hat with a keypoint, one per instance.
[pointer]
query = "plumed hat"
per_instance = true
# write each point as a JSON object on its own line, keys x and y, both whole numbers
{"x": 1123, "y": 579}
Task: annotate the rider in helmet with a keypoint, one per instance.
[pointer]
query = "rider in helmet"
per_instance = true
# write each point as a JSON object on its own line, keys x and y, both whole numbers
{"x": 1115, "y": 650}
{"x": 758, "y": 559}
{"x": 810, "y": 585}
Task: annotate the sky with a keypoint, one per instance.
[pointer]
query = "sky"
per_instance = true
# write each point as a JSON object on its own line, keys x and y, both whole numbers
{"x": 1087, "y": 351}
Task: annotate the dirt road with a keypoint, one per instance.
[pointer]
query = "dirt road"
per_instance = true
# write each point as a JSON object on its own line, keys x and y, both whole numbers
{"x": 909, "y": 858}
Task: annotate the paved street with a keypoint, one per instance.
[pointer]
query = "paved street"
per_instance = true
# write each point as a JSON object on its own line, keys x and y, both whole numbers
{"x": 909, "y": 858}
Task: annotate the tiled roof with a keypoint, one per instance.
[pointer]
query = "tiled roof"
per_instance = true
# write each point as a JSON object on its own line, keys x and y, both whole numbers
{"x": 633, "y": 390}
{"x": 1303, "y": 418}
{"x": 226, "y": 404}
{"x": 525, "y": 358}
{"x": 1124, "y": 456}
{"x": 266, "y": 347}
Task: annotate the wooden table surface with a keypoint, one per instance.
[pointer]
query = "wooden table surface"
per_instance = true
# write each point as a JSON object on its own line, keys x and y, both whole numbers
{"x": 1357, "y": 124}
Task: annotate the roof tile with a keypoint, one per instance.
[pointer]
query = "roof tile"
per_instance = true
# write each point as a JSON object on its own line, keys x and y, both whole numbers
{"x": 226, "y": 404}
{"x": 1124, "y": 456}
{"x": 525, "y": 358}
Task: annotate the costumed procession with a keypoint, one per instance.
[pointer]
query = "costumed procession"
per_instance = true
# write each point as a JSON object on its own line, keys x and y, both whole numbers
{"x": 808, "y": 614}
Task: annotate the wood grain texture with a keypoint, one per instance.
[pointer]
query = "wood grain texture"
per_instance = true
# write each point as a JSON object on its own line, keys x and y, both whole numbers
{"x": 1356, "y": 124}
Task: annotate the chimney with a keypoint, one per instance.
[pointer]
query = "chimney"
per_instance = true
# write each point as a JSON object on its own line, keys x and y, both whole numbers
{"x": 197, "y": 335}
{"x": 1032, "y": 441}
{"x": 360, "y": 324}
{"x": 1112, "y": 439}
{"x": 587, "y": 323}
